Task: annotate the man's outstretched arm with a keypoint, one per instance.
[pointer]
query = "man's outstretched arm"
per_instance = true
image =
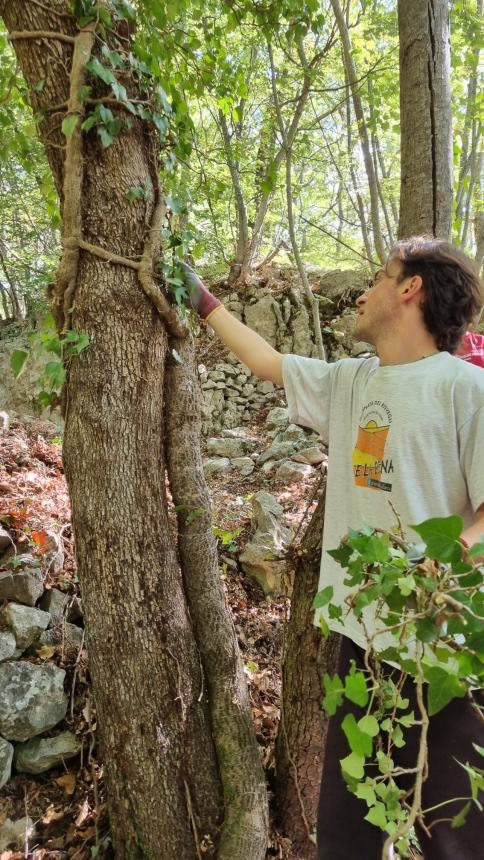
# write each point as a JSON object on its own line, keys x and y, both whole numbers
{"x": 252, "y": 350}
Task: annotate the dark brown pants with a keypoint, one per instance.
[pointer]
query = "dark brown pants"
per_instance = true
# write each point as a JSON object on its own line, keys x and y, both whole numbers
{"x": 343, "y": 834}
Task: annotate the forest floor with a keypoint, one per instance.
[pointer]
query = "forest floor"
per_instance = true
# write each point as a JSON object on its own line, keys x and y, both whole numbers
{"x": 68, "y": 804}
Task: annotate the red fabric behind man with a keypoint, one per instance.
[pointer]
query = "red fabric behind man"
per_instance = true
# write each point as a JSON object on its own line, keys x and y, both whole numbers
{"x": 472, "y": 348}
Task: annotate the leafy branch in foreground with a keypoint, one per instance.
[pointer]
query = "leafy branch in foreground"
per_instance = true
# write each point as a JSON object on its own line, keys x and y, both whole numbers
{"x": 427, "y": 599}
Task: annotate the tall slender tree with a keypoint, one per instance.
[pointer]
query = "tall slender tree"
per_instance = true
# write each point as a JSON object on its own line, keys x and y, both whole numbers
{"x": 425, "y": 109}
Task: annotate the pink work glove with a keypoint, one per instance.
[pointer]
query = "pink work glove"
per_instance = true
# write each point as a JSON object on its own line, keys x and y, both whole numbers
{"x": 201, "y": 299}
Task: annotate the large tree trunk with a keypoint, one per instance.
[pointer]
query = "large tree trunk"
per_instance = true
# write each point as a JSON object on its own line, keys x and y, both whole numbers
{"x": 425, "y": 109}
{"x": 302, "y": 728}
{"x": 170, "y": 791}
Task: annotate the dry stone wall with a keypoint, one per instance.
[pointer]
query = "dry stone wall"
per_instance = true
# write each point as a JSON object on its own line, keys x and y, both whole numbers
{"x": 231, "y": 396}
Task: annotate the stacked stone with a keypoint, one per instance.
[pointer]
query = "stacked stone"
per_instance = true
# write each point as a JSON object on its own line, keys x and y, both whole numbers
{"x": 292, "y": 454}
{"x": 32, "y": 699}
{"x": 231, "y": 396}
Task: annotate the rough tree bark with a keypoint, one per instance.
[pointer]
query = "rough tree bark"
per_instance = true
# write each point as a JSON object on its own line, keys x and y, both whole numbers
{"x": 171, "y": 755}
{"x": 425, "y": 114}
{"x": 302, "y": 728}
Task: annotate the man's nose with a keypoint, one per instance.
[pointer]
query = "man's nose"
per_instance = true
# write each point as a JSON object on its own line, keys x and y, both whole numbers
{"x": 361, "y": 299}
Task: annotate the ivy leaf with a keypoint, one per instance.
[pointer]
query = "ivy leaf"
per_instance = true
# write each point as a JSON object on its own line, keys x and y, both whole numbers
{"x": 68, "y": 125}
{"x": 355, "y": 688}
{"x": 334, "y": 693}
{"x": 106, "y": 138}
{"x": 369, "y": 725}
{"x": 365, "y": 792}
{"x": 353, "y": 766}
{"x": 335, "y": 612}
{"x": 443, "y": 687}
{"x": 323, "y": 597}
{"x": 476, "y": 549}
{"x": 426, "y": 629}
{"x": 459, "y": 819}
{"x": 119, "y": 91}
{"x": 55, "y": 371}
{"x": 96, "y": 68}
{"x": 17, "y": 361}
{"x": 89, "y": 122}
{"x": 377, "y": 815}
{"x": 342, "y": 555}
{"x": 371, "y": 548}
{"x": 441, "y": 536}
{"x": 359, "y": 742}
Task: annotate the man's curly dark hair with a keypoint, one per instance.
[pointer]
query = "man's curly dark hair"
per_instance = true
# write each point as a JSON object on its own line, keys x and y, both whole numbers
{"x": 453, "y": 292}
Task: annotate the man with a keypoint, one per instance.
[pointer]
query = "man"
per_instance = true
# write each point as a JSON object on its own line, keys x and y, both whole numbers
{"x": 405, "y": 426}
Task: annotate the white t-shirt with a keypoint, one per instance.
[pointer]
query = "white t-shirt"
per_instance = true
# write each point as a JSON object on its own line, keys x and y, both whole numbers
{"x": 410, "y": 433}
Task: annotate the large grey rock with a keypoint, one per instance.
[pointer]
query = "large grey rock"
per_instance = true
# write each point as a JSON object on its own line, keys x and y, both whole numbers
{"x": 6, "y": 756}
{"x": 32, "y": 701}
{"x": 41, "y": 754}
{"x": 16, "y": 834}
{"x": 61, "y": 606}
{"x": 258, "y": 562}
{"x": 24, "y": 586}
{"x": 262, "y": 557}
{"x": 53, "y": 553}
{"x": 277, "y": 417}
{"x": 301, "y": 330}
{"x": 265, "y": 318}
{"x": 341, "y": 282}
{"x": 276, "y": 451}
{"x": 312, "y": 455}
{"x": 245, "y": 464}
{"x": 265, "y": 386}
{"x": 293, "y": 433}
{"x": 234, "y": 447}
{"x": 293, "y": 472}
{"x": 215, "y": 465}
{"x": 54, "y": 601}
{"x": 8, "y": 645}
{"x": 5, "y": 539}
{"x": 63, "y": 633}
{"x": 25, "y": 623}
{"x": 266, "y": 511}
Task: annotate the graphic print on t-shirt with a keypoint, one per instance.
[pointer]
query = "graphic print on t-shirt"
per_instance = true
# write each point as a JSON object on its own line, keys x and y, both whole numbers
{"x": 369, "y": 462}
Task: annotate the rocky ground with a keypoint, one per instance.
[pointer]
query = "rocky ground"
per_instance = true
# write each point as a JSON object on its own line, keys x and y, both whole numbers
{"x": 65, "y": 805}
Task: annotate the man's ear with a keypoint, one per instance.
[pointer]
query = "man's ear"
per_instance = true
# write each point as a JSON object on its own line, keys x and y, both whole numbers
{"x": 411, "y": 288}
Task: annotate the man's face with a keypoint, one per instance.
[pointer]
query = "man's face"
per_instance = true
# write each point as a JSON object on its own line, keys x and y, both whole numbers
{"x": 379, "y": 306}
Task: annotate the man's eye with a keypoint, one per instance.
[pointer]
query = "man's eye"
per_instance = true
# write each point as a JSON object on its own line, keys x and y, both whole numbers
{"x": 371, "y": 283}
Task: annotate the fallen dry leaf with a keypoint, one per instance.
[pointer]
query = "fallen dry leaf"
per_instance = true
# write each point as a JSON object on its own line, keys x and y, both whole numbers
{"x": 46, "y": 652}
{"x": 68, "y": 782}
{"x": 52, "y": 814}
{"x": 83, "y": 813}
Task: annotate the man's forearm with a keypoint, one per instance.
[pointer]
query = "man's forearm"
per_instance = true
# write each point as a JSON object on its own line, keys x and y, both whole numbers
{"x": 252, "y": 350}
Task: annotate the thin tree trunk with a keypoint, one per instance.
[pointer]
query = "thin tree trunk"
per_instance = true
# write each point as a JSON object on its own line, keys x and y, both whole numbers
{"x": 245, "y": 827}
{"x": 467, "y": 161}
{"x": 12, "y": 292}
{"x": 302, "y": 728}
{"x": 360, "y": 206}
{"x": 242, "y": 234}
{"x": 362, "y": 128}
{"x": 377, "y": 159}
{"x": 474, "y": 177}
{"x": 425, "y": 110}
{"x": 287, "y": 144}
